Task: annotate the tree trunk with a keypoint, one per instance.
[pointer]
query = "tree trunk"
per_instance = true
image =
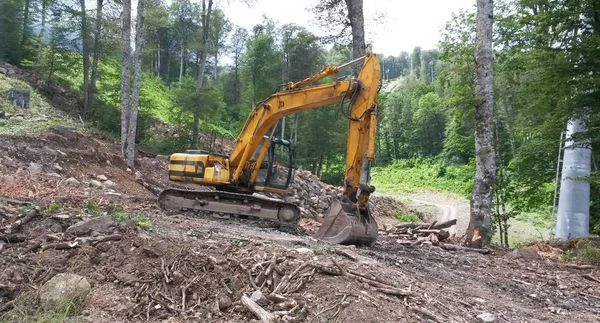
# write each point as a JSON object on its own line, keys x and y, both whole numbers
{"x": 125, "y": 74}
{"x": 206, "y": 16}
{"x": 181, "y": 58}
{"x": 158, "y": 61}
{"x": 96, "y": 54}
{"x": 479, "y": 230}
{"x": 216, "y": 71}
{"x": 357, "y": 23}
{"x": 86, "y": 58}
{"x": 25, "y": 33}
{"x": 206, "y": 12}
{"x": 41, "y": 34}
{"x": 137, "y": 83}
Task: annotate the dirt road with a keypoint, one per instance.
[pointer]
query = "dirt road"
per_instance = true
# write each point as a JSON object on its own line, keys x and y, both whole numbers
{"x": 440, "y": 206}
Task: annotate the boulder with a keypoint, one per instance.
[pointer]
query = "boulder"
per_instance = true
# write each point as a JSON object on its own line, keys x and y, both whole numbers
{"x": 109, "y": 184}
{"x": 526, "y": 254}
{"x": 486, "y": 318}
{"x": 34, "y": 168}
{"x": 72, "y": 182}
{"x": 96, "y": 183}
{"x": 101, "y": 178}
{"x": 101, "y": 224}
{"x": 62, "y": 291}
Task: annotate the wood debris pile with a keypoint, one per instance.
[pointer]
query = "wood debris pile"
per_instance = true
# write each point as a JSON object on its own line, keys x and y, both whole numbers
{"x": 413, "y": 233}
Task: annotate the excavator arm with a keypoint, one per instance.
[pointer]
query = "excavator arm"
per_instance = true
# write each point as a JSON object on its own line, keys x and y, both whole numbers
{"x": 362, "y": 94}
{"x": 349, "y": 219}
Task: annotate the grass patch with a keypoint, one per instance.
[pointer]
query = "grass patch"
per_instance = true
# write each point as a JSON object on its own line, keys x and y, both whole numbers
{"x": 53, "y": 208}
{"x": 26, "y": 308}
{"x": 144, "y": 223}
{"x": 411, "y": 175}
{"x": 120, "y": 216}
{"x": 90, "y": 207}
{"x": 407, "y": 217}
{"x": 587, "y": 251}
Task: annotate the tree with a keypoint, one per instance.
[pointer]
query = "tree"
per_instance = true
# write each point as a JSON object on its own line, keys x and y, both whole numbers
{"x": 137, "y": 83}
{"x": 125, "y": 73}
{"x": 233, "y": 87}
{"x": 479, "y": 231}
{"x": 96, "y": 54}
{"x": 220, "y": 29}
{"x": 85, "y": 53}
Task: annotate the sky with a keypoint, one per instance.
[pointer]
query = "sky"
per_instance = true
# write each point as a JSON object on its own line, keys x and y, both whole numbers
{"x": 405, "y": 23}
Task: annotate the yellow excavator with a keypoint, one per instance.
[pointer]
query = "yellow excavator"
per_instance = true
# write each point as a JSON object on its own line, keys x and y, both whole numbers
{"x": 256, "y": 163}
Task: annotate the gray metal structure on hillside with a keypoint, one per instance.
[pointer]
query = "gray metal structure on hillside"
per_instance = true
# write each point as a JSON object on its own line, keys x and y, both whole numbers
{"x": 574, "y": 201}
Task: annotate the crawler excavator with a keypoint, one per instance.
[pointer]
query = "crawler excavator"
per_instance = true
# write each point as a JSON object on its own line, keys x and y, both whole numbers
{"x": 254, "y": 166}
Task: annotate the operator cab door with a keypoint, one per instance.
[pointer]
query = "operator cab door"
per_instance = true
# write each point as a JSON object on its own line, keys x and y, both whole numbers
{"x": 276, "y": 171}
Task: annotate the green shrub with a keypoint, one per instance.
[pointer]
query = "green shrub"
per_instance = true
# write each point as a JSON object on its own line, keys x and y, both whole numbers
{"x": 144, "y": 223}
{"x": 53, "y": 208}
{"x": 90, "y": 207}
{"x": 407, "y": 217}
{"x": 120, "y": 216}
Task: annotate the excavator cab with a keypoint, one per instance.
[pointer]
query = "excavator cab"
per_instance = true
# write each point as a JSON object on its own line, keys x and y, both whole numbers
{"x": 276, "y": 170}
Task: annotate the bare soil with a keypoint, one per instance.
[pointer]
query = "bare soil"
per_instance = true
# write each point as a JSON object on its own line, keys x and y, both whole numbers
{"x": 144, "y": 275}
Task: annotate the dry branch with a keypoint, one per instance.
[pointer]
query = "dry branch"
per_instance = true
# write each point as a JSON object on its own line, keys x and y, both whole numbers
{"x": 434, "y": 225}
{"x": 426, "y": 313}
{"x": 452, "y": 247}
{"x": 12, "y": 238}
{"x": 258, "y": 311}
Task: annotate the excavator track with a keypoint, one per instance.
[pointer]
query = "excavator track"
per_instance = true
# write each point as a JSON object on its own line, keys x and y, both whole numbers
{"x": 241, "y": 205}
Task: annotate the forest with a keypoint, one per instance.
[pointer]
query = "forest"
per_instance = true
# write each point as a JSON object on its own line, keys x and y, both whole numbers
{"x": 200, "y": 74}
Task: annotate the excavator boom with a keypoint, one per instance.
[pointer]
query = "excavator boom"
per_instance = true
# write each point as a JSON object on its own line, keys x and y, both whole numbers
{"x": 253, "y": 165}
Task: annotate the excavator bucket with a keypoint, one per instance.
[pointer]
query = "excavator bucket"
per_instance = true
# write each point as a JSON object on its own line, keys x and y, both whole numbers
{"x": 345, "y": 224}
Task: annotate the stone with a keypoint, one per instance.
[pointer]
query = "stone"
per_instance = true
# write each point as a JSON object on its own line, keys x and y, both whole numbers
{"x": 304, "y": 251}
{"x": 101, "y": 178}
{"x": 34, "y": 168}
{"x": 8, "y": 179}
{"x": 57, "y": 167}
{"x": 138, "y": 175}
{"x": 72, "y": 182}
{"x": 95, "y": 183}
{"x": 224, "y": 303}
{"x": 527, "y": 254}
{"x": 109, "y": 184}
{"x": 486, "y": 318}
{"x": 101, "y": 224}
{"x": 259, "y": 298}
{"x": 63, "y": 290}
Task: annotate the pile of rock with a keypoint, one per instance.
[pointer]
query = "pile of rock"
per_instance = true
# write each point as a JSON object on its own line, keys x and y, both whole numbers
{"x": 310, "y": 194}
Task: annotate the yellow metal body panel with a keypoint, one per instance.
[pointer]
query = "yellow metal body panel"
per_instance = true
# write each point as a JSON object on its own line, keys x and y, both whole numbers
{"x": 204, "y": 169}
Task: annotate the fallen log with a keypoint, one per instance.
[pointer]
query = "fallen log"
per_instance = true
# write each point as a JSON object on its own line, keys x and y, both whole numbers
{"x": 451, "y": 247}
{"x": 12, "y": 238}
{"x": 258, "y": 311}
{"x": 423, "y": 225}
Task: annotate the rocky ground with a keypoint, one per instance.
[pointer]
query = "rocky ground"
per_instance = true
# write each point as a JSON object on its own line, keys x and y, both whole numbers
{"x": 82, "y": 240}
{"x": 71, "y": 206}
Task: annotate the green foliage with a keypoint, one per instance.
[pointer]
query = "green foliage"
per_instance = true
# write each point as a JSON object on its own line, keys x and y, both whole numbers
{"x": 144, "y": 223}
{"x": 119, "y": 216}
{"x": 90, "y": 206}
{"x": 407, "y": 217}
{"x": 25, "y": 308}
{"x": 53, "y": 208}
{"x": 413, "y": 174}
